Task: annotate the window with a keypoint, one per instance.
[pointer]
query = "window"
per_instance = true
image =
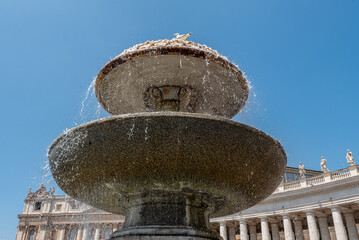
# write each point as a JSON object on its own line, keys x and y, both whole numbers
{"x": 107, "y": 233}
{"x": 32, "y": 235}
{"x": 72, "y": 234}
{"x": 92, "y": 235}
{"x": 58, "y": 207}
{"x": 37, "y": 205}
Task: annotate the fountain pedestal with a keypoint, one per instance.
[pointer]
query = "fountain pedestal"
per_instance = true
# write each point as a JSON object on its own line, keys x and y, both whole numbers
{"x": 167, "y": 215}
{"x": 169, "y": 157}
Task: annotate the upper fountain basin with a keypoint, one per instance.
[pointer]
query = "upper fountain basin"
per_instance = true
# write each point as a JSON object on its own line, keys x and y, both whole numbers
{"x": 218, "y": 86}
{"x": 106, "y": 162}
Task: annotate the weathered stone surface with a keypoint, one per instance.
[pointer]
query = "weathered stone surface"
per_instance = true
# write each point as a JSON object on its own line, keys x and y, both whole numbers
{"x": 167, "y": 171}
{"x": 222, "y": 88}
{"x": 111, "y": 162}
{"x": 164, "y": 233}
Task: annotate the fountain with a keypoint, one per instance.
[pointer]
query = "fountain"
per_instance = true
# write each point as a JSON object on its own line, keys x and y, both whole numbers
{"x": 170, "y": 156}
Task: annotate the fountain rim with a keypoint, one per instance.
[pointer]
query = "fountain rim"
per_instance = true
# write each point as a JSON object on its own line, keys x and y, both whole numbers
{"x": 184, "y": 50}
{"x": 166, "y": 114}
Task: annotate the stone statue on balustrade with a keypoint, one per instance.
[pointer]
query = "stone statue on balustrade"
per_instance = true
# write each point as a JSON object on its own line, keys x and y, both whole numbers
{"x": 323, "y": 165}
{"x": 350, "y": 158}
{"x": 301, "y": 170}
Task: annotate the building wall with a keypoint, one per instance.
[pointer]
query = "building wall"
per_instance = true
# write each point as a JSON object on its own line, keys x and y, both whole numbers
{"x": 310, "y": 208}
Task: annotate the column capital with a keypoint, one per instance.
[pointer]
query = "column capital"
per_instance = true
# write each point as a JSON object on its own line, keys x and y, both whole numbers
{"x": 222, "y": 223}
{"x": 22, "y": 227}
{"x": 44, "y": 227}
{"x": 273, "y": 220}
{"x": 297, "y": 218}
{"x": 334, "y": 208}
{"x": 285, "y": 216}
{"x": 242, "y": 220}
{"x": 351, "y": 212}
{"x": 251, "y": 223}
{"x": 60, "y": 226}
{"x": 309, "y": 212}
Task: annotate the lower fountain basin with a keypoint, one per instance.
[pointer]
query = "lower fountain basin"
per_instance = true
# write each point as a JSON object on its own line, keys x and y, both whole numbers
{"x": 110, "y": 163}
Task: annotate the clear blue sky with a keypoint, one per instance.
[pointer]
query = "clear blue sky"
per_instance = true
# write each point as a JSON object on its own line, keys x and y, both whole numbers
{"x": 302, "y": 58}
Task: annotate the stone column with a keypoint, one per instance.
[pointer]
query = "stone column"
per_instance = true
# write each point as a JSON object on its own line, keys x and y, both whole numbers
{"x": 79, "y": 233}
{"x": 42, "y": 234}
{"x": 243, "y": 231}
{"x": 351, "y": 226}
{"x": 324, "y": 230}
{"x": 338, "y": 224}
{"x": 312, "y": 226}
{"x": 253, "y": 232}
{"x": 62, "y": 234}
{"x": 298, "y": 227}
{"x": 223, "y": 230}
{"x": 288, "y": 230}
{"x": 275, "y": 231}
{"x": 265, "y": 229}
{"x": 232, "y": 232}
{"x": 85, "y": 233}
{"x": 20, "y": 233}
{"x": 97, "y": 232}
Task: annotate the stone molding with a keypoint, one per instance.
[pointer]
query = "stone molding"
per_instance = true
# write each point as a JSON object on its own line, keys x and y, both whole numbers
{"x": 305, "y": 199}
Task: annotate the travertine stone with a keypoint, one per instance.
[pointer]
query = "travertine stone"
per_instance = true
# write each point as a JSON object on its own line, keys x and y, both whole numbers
{"x": 351, "y": 226}
{"x": 243, "y": 231}
{"x": 288, "y": 230}
{"x": 298, "y": 228}
{"x": 324, "y": 230}
{"x": 164, "y": 232}
{"x": 275, "y": 231}
{"x": 252, "y": 232}
{"x": 111, "y": 163}
{"x": 350, "y": 158}
{"x": 340, "y": 231}
{"x": 232, "y": 232}
{"x": 221, "y": 88}
{"x": 265, "y": 229}
{"x": 223, "y": 230}
{"x": 312, "y": 226}
{"x": 79, "y": 234}
{"x": 173, "y": 157}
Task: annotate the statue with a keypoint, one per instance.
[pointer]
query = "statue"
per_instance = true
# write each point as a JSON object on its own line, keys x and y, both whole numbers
{"x": 350, "y": 158}
{"x": 52, "y": 191}
{"x": 301, "y": 170}
{"x": 29, "y": 193}
{"x": 323, "y": 165}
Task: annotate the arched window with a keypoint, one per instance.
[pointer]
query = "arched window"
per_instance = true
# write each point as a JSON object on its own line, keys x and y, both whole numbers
{"x": 107, "y": 233}
{"x": 72, "y": 234}
{"x": 32, "y": 235}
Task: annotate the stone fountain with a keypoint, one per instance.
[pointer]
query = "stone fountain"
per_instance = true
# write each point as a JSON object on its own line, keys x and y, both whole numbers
{"x": 170, "y": 156}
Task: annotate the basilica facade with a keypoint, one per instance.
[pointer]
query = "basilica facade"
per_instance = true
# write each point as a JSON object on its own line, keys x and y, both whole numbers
{"x": 310, "y": 205}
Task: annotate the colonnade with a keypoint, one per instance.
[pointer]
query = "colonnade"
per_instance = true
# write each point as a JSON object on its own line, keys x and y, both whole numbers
{"x": 292, "y": 226}
{"x": 63, "y": 231}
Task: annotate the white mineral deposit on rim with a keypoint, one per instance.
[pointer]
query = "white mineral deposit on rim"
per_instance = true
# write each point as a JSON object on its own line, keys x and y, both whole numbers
{"x": 158, "y": 44}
